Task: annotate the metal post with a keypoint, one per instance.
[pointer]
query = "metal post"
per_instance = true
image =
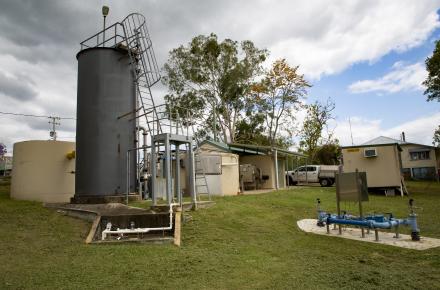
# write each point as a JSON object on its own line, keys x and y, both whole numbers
{"x": 153, "y": 171}
{"x": 275, "y": 154}
{"x": 337, "y": 198}
{"x": 376, "y": 235}
{"x": 103, "y": 34}
{"x": 138, "y": 162}
{"x": 177, "y": 176}
{"x": 168, "y": 176}
{"x": 191, "y": 175}
{"x": 105, "y": 11}
{"x": 144, "y": 150}
{"x": 361, "y": 215}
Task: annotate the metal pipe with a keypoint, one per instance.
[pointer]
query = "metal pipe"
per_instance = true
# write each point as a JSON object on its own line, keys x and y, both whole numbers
{"x": 128, "y": 177}
{"x": 364, "y": 223}
{"x": 153, "y": 171}
{"x": 371, "y": 222}
{"x": 109, "y": 231}
{"x": 144, "y": 152}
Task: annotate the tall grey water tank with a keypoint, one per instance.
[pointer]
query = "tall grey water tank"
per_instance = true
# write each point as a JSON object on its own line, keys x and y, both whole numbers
{"x": 104, "y": 129}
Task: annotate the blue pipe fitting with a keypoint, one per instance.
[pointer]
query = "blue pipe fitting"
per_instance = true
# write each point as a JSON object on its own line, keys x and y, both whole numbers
{"x": 372, "y": 221}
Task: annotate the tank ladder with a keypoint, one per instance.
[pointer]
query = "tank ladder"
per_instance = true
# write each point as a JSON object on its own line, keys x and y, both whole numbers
{"x": 143, "y": 60}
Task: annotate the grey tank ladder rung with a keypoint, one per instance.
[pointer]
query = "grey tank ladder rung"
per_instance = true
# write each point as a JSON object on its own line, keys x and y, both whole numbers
{"x": 201, "y": 176}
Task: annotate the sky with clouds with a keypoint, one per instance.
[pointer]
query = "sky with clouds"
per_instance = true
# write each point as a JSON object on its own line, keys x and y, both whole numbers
{"x": 368, "y": 56}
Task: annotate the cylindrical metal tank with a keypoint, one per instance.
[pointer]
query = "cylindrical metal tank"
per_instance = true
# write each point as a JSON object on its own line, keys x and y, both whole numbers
{"x": 105, "y": 127}
{"x": 42, "y": 171}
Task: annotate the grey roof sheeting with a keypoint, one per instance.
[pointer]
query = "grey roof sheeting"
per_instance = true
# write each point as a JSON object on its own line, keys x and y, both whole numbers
{"x": 251, "y": 149}
{"x": 381, "y": 140}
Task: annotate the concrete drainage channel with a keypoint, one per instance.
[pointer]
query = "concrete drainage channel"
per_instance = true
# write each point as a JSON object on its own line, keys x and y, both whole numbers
{"x": 115, "y": 222}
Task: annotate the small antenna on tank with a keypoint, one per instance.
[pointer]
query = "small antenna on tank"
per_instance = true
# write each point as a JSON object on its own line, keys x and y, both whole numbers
{"x": 105, "y": 10}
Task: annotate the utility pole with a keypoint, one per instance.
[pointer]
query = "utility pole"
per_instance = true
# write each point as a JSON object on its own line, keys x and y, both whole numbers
{"x": 351, "y": 133}
{"x": 53, "y": 121}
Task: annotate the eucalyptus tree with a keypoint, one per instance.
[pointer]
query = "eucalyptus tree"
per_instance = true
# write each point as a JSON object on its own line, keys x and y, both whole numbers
{"x": 278, "y": 96}
{"x": 212, "y": 79}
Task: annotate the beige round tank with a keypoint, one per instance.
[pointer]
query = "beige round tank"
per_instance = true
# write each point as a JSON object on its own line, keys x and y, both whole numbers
{"x": 43, "y": 171}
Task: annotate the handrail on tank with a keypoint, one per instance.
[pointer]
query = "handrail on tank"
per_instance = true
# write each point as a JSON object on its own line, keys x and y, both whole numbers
{"x": 113, "y": 36}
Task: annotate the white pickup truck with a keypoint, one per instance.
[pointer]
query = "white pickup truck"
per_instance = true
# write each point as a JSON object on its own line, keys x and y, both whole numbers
{"x": 324, "y": 174}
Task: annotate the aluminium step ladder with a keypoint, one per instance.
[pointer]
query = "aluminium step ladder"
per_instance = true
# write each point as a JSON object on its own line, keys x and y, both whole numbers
{"x": 200, "y": 183}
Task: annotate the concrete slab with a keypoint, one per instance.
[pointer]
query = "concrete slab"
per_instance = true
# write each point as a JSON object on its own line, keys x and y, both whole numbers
{"x": 385, "y": 238}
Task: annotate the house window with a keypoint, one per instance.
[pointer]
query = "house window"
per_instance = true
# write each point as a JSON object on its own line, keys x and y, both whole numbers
{"x": 423, "y": 155}
{"x": 427, "y": 173}
{"x": 370, "y": 152}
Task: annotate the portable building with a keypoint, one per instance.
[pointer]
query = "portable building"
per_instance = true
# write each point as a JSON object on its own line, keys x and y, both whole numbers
{"x": 381, "y": 162}
{"x": 419, "y": 161}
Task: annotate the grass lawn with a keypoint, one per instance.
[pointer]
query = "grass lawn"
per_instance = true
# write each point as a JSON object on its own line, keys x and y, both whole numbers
{"x": 244, "y": 242}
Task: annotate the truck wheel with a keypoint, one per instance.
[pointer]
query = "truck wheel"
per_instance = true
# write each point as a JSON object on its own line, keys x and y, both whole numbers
{"x": 291, "y": 182}
{"x": 324, "y": 182}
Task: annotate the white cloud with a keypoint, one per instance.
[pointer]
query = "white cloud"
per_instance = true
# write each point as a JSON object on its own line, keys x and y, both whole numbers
{"x": 402, "y": 77}
{"x": 328, "y": 38}
{"x": 323, "y": 37}
{"x": 419, "y": 130}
